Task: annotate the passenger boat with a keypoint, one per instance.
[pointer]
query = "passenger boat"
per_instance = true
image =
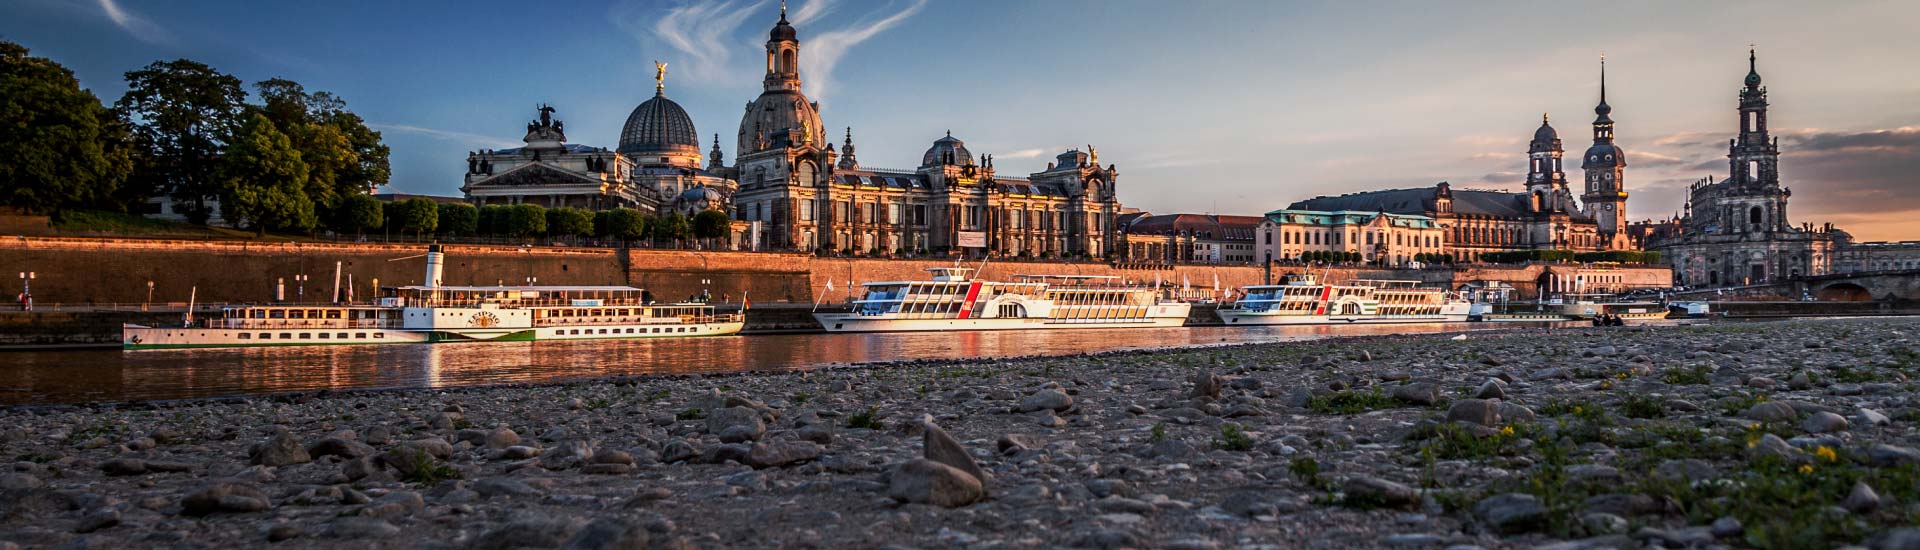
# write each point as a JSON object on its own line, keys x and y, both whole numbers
{"x": 1573, "y": 307}
{"x": 953, "y": 300}
{"x": 1306, "y": 302}
{"x": 435, "y": 313}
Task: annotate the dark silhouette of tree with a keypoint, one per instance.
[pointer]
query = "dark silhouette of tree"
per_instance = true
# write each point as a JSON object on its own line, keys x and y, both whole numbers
{"x": 63, "y": 149}
{"x": 263, "y": 181}
{"x": 183, "y": 112}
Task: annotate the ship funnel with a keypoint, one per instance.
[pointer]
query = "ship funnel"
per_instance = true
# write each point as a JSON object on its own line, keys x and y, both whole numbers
{"x": 435, "y": 261}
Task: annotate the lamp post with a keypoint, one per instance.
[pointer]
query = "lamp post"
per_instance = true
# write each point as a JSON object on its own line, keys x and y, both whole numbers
{"x": 300, "y": 288}
{"x": 26, "y": 290}
{"x": 143, "y": 305}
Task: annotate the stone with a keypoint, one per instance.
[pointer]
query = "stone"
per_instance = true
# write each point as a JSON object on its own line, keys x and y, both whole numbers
{"x": 124, "y": 467}
{"x": 1511, "y": 413}
{"x": 97, "y": 519}
{"x": 678, "y": 451}
{"x": 1476, "y": 411}
{"x": 1862, "y": 499}
{"x": 1824, "y": 422}
{"x": 1602, "y": 523}
{"x": 1882, "y": 454}
{"x": 395, "y": 504}
{"x": 1726, "y": 527}
{"x": 1554, "y": 373}
{"x": 612, "y": 456}
{"x": 1380, "y": 492}
{"x": 1419, "y": 393}
{"x": 1512, "y": 512}
{"x": 1770, "y": 411}
{"x": 1870, "y": 417}
{"x": 1015, "y": 443}
{"x": 1205, "y": 385}
{"x": 1493, "y": 388}
{"x": 280, "y": 450}
{"x": 736, "y": 424}
{"x": 433, "y": 446}
{"x": 360, "y": 528}
{"x": 609, "y": 534}
{"x": 1684, "y": 470}
{"x": 780, "y": 452}
{"x": 1171, "y": 449}
{"x": 526, "y": 533}
{"x": 341, "y": 447}
{"x": 359, "y": 468}
{"x": 1904, "y": 538}
{"x": 817, "y": 433}
{"x": 1771, "y": 445}
{"x": 503, "y": 486}
{"x": 566, "y": 455}
{"x": 517, "y": 452}
{"x": 501, "y": 438}
{"x": 407, "y": 459}
{"x": 225, "y": 496}
{"x": 1048, "y": 399}
{"x": 1799, "y": 381}
{"x": 939, "y": 446}
{"x": 282, "y": 532}
{"x": 20, "y": 482}
{"x": 923, "y": 481}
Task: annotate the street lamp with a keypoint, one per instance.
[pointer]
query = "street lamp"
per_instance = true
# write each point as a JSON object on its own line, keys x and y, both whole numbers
{"x": 143, "y": 305}
{"x": 301, "y": 287}
{"x": 26, "y": 290}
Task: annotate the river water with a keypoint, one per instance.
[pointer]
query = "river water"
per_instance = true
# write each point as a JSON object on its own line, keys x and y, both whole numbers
{"x": 84, "y": 376}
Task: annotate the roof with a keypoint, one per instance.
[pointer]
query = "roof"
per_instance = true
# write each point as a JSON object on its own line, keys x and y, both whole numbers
{"x": 659, "y": 124}
{"x": 397, "y": 197}
{"x": 1205, "y": 226}
{"x": 1419, "y": 201}
{"x": 1347, "y": 217}
{"x": 569, "y": 147}
{"x": 526, "y": 288}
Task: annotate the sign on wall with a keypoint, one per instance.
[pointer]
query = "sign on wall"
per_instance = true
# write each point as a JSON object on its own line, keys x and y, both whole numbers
{"x": 971, "y": 239}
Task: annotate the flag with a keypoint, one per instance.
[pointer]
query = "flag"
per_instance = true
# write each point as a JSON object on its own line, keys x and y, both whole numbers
{"x": 1156, "y": 280}
{"x": 1216, "y": 282}
{"x": 829, "y": 285}
{"x": 1186, "y": 285}
{"x": 744, "y": 302}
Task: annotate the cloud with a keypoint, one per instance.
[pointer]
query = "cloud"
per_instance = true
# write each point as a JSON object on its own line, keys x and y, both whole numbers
{"x": 135, "y": 24}
{"x": 701, "y": 31}
{"x": 1033, "y": 153}
{"x": 477, "y": 140}
{"x": 809, "y": 11}
{"x": 821, "y": 53}
{"x": 1649, "y": 159}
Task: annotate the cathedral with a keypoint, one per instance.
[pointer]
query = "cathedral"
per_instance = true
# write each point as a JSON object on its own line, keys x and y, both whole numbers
{"x": 1543, "y": 216}
{"x": 1735, "y": 231}
{"x": 810, "y": 196}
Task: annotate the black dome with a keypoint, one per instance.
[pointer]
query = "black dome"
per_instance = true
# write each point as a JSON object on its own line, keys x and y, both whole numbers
{"x": 944, "y": 145}
{"x": 659, "y": 125}
{"x": 782, "y": 30}
{"x": 1602, "y": 155}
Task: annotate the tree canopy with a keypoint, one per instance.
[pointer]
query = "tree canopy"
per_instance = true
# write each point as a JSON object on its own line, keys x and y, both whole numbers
{"x": 417, "y": 215}
{"x": 263, "y": 180}
{"x": 183, "y": 112}
{"x": 526, "y": 220}
{"x": 346, "y": 157}
{"x": 359, "y": 213}
{"x": 711, "y": 224}
{"x": 569, "y": 222}
{"x": 63, "y": 149}
{"x": 625, "y": 224}
{"x": 458, "y": 219}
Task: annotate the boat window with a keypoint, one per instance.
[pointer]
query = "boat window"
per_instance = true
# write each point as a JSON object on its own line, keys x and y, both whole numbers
{"x": 360, "y": 335}
{"x": 296, "y": 314}
{"x": 246, "y": 336}
{"x": 324, "y": 336}
{"x": 379, "y": 335}
{"x": 343, "y": 335}
{"x": 257, "y": 314}
{"x": 333, "y": 314}
{"x": 306, "y": 335}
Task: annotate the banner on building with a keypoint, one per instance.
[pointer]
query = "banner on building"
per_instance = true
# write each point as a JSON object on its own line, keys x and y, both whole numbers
{"x": 970, "y": 239}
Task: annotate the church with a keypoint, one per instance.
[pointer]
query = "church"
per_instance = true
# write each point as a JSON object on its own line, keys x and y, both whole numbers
{"x": 1543, "y": 216}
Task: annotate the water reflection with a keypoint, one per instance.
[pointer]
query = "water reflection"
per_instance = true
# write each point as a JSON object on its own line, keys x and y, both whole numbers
{"x": 112, "y": 375}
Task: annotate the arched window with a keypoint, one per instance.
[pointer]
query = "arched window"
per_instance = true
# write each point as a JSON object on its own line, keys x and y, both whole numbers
{"x": 1753, "y": 216}
{"x": 786, "y": 61}
{"x": 805, "y": 173}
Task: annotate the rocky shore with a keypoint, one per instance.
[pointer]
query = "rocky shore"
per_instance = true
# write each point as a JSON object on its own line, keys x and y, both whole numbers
{"x": 1795, "y": 434}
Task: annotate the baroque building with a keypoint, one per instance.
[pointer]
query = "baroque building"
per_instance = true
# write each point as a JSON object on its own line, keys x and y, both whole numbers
{"x": 1542, "y": 216}
{"x": 1377, "y": 237}
{"x": 1735, "y": 231}
{"x": 810, "y": 196}
{"x": 1188, "y": 238}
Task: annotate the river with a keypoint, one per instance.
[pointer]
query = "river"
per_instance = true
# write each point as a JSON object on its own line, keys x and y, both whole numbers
{"x": 88, "y": 376}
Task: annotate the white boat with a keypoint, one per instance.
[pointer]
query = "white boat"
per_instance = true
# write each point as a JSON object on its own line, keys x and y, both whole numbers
{"x": 952, "y": 300}
{"x": 1306, "y": 302}
{"x": 435, "y": 313}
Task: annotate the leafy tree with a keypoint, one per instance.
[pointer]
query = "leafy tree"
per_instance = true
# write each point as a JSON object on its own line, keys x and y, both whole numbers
{"x": 263, "y": 181}
{"x": 419, "y": 215}
{"x": 569, "y": 222}
{"x": 495, "y": 219}
{"x": 63, "y": 149}
{"x": 625, "y": 224}
{"x": 346, "y": 158}
{"x": 458, "y": 219}
{"x": 673, "y": 226}
{"x": 359, "y": 213}
{"x": 183, "y": 113}
{"x": 526, "y": 220}
{"x": 711, "y": 224}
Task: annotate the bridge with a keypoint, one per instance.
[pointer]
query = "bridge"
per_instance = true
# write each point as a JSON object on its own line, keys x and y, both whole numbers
{"x": 1859, "y": 286}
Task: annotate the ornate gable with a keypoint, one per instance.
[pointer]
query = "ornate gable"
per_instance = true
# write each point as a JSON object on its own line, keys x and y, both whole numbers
{"x": 534, "y": 175}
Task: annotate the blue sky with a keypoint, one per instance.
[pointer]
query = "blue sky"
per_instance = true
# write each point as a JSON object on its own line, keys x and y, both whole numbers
{"x": 1230, "y": 107}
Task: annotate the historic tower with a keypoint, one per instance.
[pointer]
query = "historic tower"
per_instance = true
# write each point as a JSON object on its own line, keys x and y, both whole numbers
{"x": 1753, "y": 161}
{"x": 1605, "y": 165}
{"x": 1546, "y": 181}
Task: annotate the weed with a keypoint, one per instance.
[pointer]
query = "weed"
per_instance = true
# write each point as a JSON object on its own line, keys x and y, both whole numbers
{"x": 1159, "y": 433}
{"x": 1233, "y": 439}
{"x": 1734, "y": 406}
{"x": 427, "y": 471}
{"x": 1682, "y": 376}
{"x": 1641, "y": 406}
{"x": 1853, "y": 376}
{"x": 1351, "y": 402}
{"x": 690, "y": 414}
{"x": 1453, "y": 442}
{"x": 1304, "y": 468}
{"x": 801, "y": 398}
{"x": 659, "y": 395}
{"x": 869, "y": 419}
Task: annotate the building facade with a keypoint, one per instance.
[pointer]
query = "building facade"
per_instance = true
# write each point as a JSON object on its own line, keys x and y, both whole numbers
{"x": 1190, "y": 238}
{"x": 810, "y": 196}
{"x": 1852, "y": 257}
{"x": 1377, "y": 237}
{"x": 1735, "y": 231}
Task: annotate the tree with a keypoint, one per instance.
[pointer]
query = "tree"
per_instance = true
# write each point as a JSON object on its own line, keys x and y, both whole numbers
{"x": 183, "y": 113}
{"x": 711, "y": 224}
{"x": 526, "y": 220}
{"x": 346, "y": 157}
{"x": 495, "y": 219}
{"x": 419, "y": 215}
{"x": 263, "y": 181}
{"x": 671, "y": 227}
{"x": 358, "y": 214}
{"x": 63, "y": 149}
{"x": 458, "y": 219}
{"x": 625, "y": 224}
{"x": 569, "y": 222}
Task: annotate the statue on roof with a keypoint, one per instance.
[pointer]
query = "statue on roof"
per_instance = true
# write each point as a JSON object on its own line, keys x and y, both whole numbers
{"x": 659, "y": 76}
{"x": 1093, "y": 155}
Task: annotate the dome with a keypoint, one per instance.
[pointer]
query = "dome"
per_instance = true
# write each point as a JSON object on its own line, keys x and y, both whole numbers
{"x": 1546, "y": 132}
{"x": 1602, "y": 155}
{"x": 699, "y": 198}
{"x": 946, "y": 145}
{"x": 659, "y": 125}
{"x": 783, "y": 31}
{"x": 772, "y": 115}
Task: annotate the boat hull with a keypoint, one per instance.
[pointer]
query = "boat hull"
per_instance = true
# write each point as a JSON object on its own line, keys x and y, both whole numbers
{"x": 852, "y": 322}
{"x": 1248, "y": 319}
{"x": 139, "y": 337}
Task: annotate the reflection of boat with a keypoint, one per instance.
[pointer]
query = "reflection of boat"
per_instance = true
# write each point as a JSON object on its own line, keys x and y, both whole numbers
{"x": 1305, "y": 302}
{"x": 1565, "y": 307}
{"x": 435, "y": 313}
{"x": 1688, "y": 310}
{"x": 952, "y": 300}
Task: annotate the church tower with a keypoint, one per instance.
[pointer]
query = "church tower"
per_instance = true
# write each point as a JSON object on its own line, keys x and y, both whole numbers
{"x": 1546, "y": 180}
{"x": 1754, "y": 156}
{"x": 1605, "y": 165}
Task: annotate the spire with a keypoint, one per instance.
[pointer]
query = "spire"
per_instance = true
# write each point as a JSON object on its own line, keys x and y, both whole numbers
{"x": 1753, "y": 68}
{"x": 783, "y": 12}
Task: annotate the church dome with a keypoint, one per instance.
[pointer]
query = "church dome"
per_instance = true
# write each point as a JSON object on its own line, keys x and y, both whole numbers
{"x": 941, "y": 147}
{"x": 1546, "y": 132}
{"x": 783, "y": 30}
{"x": 1604, "y": 155}
{"x": 657, "y": 126}
{"x": 772, "y": 115}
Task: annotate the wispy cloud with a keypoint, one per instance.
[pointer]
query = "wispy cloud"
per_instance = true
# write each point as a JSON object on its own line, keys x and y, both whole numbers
{"x": 703, "y": 32}
{"x": 464, "y": 138}
{"x": 1033, "y": 153}
{"x": 809, "y": 11}
{"x": 821, "y": 53}
{"x": 136, "y": 25}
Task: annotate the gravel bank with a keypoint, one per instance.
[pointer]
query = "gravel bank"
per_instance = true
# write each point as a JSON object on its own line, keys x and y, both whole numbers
{"x": 1791, "y": 435}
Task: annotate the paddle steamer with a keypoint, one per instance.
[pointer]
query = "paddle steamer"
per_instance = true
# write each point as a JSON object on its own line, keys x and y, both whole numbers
{"x": 1304, "y": 301}
{"x": 953, "y": 300}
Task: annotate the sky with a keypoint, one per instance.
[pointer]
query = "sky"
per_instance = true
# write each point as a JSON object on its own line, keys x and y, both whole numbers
{"x": 1215, "y": 106}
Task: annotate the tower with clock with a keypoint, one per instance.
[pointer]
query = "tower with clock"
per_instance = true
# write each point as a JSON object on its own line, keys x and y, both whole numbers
{"x": 1605, "y": 164}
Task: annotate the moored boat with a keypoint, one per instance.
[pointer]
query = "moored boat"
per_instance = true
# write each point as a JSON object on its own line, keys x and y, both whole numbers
{"x": 1305, "y": 301}
{"x": 953, "y": 300}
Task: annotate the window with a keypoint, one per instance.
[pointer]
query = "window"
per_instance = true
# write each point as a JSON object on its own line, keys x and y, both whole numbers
{"x": 246, "y": 336}
{"x": 893, "y": 213}
{"x": 286, "y": 335}
{"x": 806, "y": 210}
{"x": 379, "y": 335}
{"x": 343, "y": 336}
{"x": 306, "y": 336}
{"x": 324, "y": 336}
{"x": 360, "y": 335}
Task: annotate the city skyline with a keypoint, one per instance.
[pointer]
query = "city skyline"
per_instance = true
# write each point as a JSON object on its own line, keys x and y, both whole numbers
{"x": 1263, "y": 105}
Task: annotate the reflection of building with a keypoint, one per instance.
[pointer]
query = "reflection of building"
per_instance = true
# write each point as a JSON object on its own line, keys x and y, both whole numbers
{"x": 1544, "y": 216}
{"x": 1198, "y": 238}
{"x": 1735, "y": 231}
{"x": 1390, "y": 239}
{"x": 810, "y": 196}
{"x": 657, "y": 166}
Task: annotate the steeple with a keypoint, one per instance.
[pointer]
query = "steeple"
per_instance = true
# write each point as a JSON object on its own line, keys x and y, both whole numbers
{"x": 1605, "y": 168}
{"x": 715, "y": 158}
{"x": 1753, "y": 70}
{"x": 1603, "y": 109}
{"x": 847, "y": 161}
{"x": 1754, "y": 155}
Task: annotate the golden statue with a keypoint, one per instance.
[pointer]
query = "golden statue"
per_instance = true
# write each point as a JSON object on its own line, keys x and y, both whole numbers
{"x": 1093, "y": 155}
{"x": 659, "y": 76}
{"x": 807, "y": 128}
